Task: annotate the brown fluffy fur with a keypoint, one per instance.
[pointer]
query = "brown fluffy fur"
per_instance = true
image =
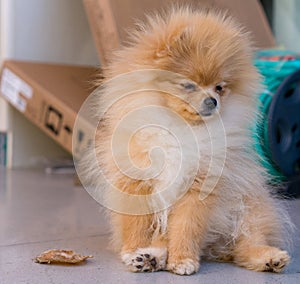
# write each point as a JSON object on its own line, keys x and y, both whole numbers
{"x": 239, "y": 221}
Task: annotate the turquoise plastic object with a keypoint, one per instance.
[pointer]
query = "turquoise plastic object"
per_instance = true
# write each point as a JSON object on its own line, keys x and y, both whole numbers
{"x": 274, "y": 66}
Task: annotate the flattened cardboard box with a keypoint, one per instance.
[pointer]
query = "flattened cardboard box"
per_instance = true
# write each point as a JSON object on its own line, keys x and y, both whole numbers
{"x": 50, "y": 96}
{"x": 110, "y": 20}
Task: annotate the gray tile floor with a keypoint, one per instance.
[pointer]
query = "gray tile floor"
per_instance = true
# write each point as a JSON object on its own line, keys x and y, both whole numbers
{"x": 40, "y": 212}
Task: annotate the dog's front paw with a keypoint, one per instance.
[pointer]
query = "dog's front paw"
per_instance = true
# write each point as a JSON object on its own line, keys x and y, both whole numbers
{"x": 183, "y": 267}
{"x": 146, "y": 259}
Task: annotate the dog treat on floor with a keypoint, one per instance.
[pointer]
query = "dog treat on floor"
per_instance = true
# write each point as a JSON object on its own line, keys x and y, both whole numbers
{"x": 61, "y": 256}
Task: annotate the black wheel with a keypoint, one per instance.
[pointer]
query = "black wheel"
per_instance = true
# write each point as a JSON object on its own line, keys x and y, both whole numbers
{"x": 284, "y": 126}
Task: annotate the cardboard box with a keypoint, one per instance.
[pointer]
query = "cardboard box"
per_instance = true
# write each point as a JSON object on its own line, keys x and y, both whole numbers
{"x": 111, "y": 19}
{"x": 50, "y": 96}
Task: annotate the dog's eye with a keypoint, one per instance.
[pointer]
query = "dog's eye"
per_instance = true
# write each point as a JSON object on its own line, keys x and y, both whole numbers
{"x": 189, "y": 86}
{"x": 219, "y": 89}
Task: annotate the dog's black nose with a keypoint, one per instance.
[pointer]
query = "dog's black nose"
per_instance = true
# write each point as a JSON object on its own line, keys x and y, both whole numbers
{"x": 210, "y": 103}
{"x": 208, "y": 106}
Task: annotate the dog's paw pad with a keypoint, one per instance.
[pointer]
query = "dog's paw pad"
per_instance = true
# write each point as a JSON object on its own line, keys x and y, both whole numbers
{"x": 146, "y": 259}
{"x": 277, "y": 262}
{"x": 144, "y": 263}
{"x": 184, "y": 267}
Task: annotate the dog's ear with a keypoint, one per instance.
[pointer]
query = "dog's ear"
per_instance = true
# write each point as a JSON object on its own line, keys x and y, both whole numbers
{"x": 168, "y": 44}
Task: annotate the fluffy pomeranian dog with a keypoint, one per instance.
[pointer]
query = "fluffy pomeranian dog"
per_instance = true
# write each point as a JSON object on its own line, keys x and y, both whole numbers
{"x": 174, "y": 145}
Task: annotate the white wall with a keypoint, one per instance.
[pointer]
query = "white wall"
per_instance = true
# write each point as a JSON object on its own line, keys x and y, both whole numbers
{"x": 4, "y": 47}
{"x": 287, "y": 23}
{"x": 40, "y": 30}
{"x": 52, "y": 30}
{"x": 5, "y": 41}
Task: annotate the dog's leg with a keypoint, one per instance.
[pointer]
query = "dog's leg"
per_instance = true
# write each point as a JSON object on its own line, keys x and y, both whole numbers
{"x": 186, "y": 233}
{"x": 138, "y": 253}
{"x": 253, "y": 250}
